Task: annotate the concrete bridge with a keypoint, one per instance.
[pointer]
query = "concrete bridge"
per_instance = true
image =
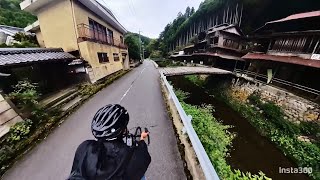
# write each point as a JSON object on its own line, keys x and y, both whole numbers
{"x": 192, "y": 70}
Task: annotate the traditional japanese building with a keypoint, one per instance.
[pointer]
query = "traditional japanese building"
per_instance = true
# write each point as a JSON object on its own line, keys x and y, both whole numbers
{"x": 286, "y": 53}
{"x": 84, "y": 28}
{"x": 220, "y": 46}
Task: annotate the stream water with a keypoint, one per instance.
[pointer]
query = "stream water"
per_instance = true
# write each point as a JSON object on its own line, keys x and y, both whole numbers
{"x": 250, "y": 151}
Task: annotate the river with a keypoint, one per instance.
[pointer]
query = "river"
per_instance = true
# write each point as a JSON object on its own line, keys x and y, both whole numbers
{"x": 250, "y": 151}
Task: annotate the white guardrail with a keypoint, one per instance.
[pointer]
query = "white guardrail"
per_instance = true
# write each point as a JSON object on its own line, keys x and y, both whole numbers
{"x": 205, "y": 163}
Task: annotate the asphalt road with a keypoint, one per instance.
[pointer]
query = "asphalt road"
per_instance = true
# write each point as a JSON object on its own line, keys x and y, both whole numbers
{"x": 139, "y": 91}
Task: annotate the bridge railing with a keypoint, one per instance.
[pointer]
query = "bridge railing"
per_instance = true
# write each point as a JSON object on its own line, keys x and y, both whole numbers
{"x": 205, "y": 163}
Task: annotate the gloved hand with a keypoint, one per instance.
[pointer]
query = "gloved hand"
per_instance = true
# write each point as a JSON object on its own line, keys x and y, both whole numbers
{"x": 144, "y": 135}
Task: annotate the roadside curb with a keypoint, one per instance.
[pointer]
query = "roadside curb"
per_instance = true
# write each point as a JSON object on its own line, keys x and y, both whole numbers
{"x": 188, "y": 155}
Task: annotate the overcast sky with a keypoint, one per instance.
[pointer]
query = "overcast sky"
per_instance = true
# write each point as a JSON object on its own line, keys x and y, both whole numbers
{"x": 150, "y": 16}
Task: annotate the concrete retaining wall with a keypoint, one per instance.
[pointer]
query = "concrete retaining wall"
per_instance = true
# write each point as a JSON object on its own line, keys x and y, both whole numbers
{"x": 8, "y": 116}
{"x": 296, "y": 109}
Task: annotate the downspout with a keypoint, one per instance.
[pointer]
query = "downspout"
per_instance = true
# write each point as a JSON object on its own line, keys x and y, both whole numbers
{"x": 76, "y": 36}
{"x": 75, "y": 26}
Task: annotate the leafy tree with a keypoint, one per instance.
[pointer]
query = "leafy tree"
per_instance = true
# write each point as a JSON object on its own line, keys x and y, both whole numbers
{"x": 188, "y": 12}
{"x": 145, "y": 43}
{"x": 192, "y": 11}
{"x": 132, "y": 42}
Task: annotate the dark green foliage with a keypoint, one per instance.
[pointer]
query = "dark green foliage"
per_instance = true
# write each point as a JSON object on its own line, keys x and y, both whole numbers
{"x": 254, "y": 98}
{"x": 19, "y": 131}
{"x": 38, "y": 115}
{"x": 215, "y": 138}
{"x": 195, "y": 79}
{"x": 91, "y": 89}
{"x": 12, "y": 15}
{"x": 311, "y": 129}
{"x": 275, "y": 114}
{"x": 169, "y": 63}
{"x": 25, "y": 95}
{"x": 132, "y": 42}
{"x": 281, "y": 132}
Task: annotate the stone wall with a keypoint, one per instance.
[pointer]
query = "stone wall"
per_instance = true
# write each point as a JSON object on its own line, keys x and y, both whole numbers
{"x": 296, "y": 108}
{"x": 8, "y": 116}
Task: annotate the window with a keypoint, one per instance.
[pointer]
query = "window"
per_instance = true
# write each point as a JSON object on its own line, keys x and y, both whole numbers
{"x": 110, "y": 36}
{"x": 121, "y": 39}
{"x": 116, "y": 57}
{"x": 215, "y": 40}
{"x": 97, "y": 31}
{"x": 103, "y": 57}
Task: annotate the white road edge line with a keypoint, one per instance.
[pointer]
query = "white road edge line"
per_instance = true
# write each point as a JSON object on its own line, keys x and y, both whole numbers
{"x": 125, "y": 94}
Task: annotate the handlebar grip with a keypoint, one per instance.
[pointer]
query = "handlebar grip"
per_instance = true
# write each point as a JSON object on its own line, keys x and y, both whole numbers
{"x": 147, "y": 131}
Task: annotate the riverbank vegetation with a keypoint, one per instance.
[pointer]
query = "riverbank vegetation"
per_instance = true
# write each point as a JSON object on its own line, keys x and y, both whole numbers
{"x": 215, "y": 138}
{"x": 265, "y": 116}
{"x": 270, "y": 122}
{"x": 169, "y": 63}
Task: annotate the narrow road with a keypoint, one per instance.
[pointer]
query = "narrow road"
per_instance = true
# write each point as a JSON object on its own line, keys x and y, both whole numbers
{"x": 139, "y": 91}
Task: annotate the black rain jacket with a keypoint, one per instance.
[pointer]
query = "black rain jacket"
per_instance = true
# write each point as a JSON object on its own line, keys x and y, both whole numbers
{"x": 104, "y": 160}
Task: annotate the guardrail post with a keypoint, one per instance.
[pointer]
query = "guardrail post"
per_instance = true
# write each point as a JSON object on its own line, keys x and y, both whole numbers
{"x": 184, "y": 130}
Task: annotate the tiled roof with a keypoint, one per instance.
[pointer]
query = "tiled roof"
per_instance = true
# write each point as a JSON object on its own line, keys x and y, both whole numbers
{"x": 10, "y": 29}
{"x": 13, "y": 56}
{"x": 298, "y": 16}
{"x": 294, "y": 17}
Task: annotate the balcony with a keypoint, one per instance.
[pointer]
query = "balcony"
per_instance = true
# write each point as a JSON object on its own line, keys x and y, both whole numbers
{"x": 88, "y": 34}
{"x": 303, "y": 45}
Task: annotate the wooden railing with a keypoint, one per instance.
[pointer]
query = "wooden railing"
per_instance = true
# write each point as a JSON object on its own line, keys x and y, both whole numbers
{"x": 88, "y": 34}
{"x": 279, "y": 81}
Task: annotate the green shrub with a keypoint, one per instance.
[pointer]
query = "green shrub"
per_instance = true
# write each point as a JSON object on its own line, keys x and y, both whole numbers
{"x": 254, "y": 98}
{"x": 38, "y": 115}
{"x": 195, "y": 79}
{"x": 86, "y": 89}
{"x": 25, "y": 94}
{"x": 181, "y": 95}
{"x": 310, "y": 128}
{"x": 19, "y": 131}
{"x": 275, "y": 114}
{"x": 169, "y": 63}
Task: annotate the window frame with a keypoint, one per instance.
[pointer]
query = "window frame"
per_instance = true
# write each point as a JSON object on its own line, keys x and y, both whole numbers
{"x": 118, "y": 57}
{"x": 103, "y": 57}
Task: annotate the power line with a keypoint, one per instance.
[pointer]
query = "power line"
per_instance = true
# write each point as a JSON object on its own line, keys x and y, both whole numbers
{"x": 115, "y": 14}
{"x": 134, "y": 10}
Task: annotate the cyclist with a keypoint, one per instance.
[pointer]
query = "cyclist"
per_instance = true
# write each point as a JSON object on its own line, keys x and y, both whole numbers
{"x": 108, "y": 157}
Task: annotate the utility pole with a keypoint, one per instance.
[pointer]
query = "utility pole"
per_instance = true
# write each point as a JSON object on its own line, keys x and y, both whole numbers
{"x": 140, "y": 45}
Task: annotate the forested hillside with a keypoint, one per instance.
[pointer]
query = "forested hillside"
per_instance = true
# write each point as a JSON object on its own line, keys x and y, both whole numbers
{"x": 12, "y": 15}
{"x": 255, "y": 14}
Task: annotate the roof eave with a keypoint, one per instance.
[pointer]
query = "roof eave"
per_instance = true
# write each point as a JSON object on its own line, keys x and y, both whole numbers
{"x": 33, "y": 6}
